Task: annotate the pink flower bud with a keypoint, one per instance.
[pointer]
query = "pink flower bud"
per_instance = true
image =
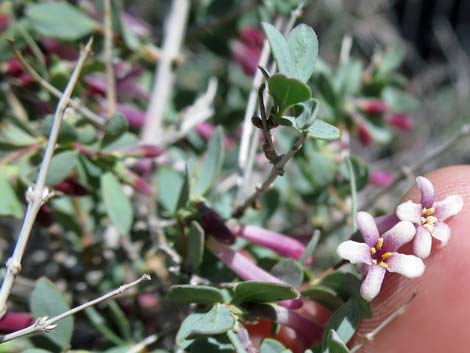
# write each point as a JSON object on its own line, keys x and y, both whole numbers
{"x": 12, "y": 322}
{"x": 71, "y": 187}
{"x": 134, "y": 116}
{"x": 364, "y": 135}
{"x": 44, "y": 217}
{"x": 380, "y": 178}
{"x": 214, "y": 225}
{"x": 247, "y": 49}
{"x": 373, "y": 106}
{"x": 206, "y": 130}
{"x": 280, "y": 243}
{"x": 4, "y": 21}
{"x": 13, "y": 67}
{"x": 140, "y": 185}
{"x": 400, "y": 121}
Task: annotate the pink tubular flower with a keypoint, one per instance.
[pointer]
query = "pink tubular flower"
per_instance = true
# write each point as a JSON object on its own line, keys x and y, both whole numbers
{"x": 247, "y": 49}
{"x": 364, "y": 135}
{"x": 373, "y": 106}
{"x": 429, "y": 216}
{"x": 279, "y": 243}
{"x": 400, "y": 121}
{"x": 12, "y": 322}
{"x": 380, "y": 178}
{"x": 379, "y": 253}
{"x": 245, "y": 268}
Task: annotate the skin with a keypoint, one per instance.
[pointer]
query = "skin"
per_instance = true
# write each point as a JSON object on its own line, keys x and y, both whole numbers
{"x": 437, "y": 319}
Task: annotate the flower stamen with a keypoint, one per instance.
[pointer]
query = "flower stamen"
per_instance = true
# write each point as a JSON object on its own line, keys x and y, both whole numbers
{"x": 387, "y": 255}
{"x": 383, "y": 264}
{"x": 380, "y": 243}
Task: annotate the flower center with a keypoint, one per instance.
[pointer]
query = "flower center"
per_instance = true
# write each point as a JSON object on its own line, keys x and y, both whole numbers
{"x": 427, "y": 218}
{"x": 379, "y": 256}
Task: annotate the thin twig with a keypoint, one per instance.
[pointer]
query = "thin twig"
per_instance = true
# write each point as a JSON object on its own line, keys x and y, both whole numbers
{"x": 139, "y": 347}
{"x": 268, "y": 146}
{"x": 44, "y": 324}
{"x": 15, "y": 104}
{"x": 39, "y": 193}
{"x": 368, "y": 337}
{"x": 93, "y": 117}
{"x": 407, "y": 170}
{"x": 277, "y": 169}
{"x": 352, "y": 181}
{"x": 108, "y": 58}
{"x": 198, "y": 112}
{"x": 165, "y": 77}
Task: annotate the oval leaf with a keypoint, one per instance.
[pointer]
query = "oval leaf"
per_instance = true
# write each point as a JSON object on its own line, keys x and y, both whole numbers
{"x": 335, "y": 344}
{"x": 287, "y": 92}
{"x": 263, "y": 292}
{"x": 61, "y": 166}
{"x": 211, "y": 164}
{"x": 289, "y": 271}
{"x": 117, "y": 204}
{"x": 344, "y": 321}
{"x": 218, "y": 320}
{"x": 324, "y": 296}
{"x": 47, "y": 300}
{"x": 279, "y": 47}
{"x": 303, "y": 48}
{"x": 10, "y": 206}
{"x": 323, "y": 131}
{"x": 60, "y": 20}
{"x": 195, "y": 246}
{"x": 187, "y": 293}
{"x": 116, "y": 127}
{"x": 270, "y": 345}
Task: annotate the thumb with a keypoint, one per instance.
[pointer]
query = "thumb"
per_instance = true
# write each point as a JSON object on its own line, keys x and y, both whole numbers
{"x": 437, "y": 319}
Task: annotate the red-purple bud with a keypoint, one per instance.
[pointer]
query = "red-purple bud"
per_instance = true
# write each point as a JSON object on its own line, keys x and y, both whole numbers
{"x": 214, "y": 225}
{"x": 364, "y": 135}
{"x": 4, "y": 21}
{"x": 71, "y": 187}
{"x": 380, "y": 178}
{"x": 12, "y": 322}
{"x": 134, "y": 117}
{"x": 373, "y": 106}
{"x": 44, "y": 217}
{"x": 140, "y": 185}
{"x": 247, "y": 49}
{"x": 145, "y": 151}
{"x": 143, "y": 167}
{"x": 13, "y": 67}
{"x": 206, "y": 130}
{"x": 400, "y": 121}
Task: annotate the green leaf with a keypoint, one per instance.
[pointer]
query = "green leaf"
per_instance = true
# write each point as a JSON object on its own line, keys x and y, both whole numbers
{"x": 195, "y": 247}
{"x": 324, "y": 296}
{"x": 262, "y": 292}
{"x": 308, "y": 113}
{"x": 289, "y": 271}
{"x": 349, "y": 78}
{"x": 323, "y": 131}
{"x": 187, "y": 293}
{"x": 10, "y": 206}
{"x": 116, "y": 127}
{"x": 279, "y": 47}
{"x": 171, "y": 181}
{"x": 303, "y": 48}
{"x": 287, "y": 92}
{"x": 67, "y": 132}
{"x": 216, "y": 344}
{"x": 15, "y": 135}
{"x": 185, "y": 329}
{"x": 390, "y": 61}
{"x": 60, "y": 20}
{"x": 335, "y": 344}
{"x": 184, "y": 192}
{"x": 270, "y": 345}
{"x": 344, "y": 321}
{"x": 47, "y": 300}
{"x": 218, "y": 320}
{"x": 399, "y": 101}
{"x": 35, "y": 350}
{"x": 211, "y": 164}
{"x": 327, "y": 91}
{"x": 61, "y": 166}
{"x": 117, "y": 204}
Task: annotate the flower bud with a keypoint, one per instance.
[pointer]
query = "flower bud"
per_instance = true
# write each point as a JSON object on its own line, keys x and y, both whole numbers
{"x": 380, "y": 178}
{"x": 12, "y": 322}
{"x": 71, "y": 187}
{"x": 373, "y": 106}
{"x": 214, "y": 225}
{"x": 364, "y": 135}
{"x": 400, "y": 121}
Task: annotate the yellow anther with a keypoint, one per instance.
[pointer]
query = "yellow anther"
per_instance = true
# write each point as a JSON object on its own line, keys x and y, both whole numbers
{"x": 373, "y": 251}
{"x": 428, "y": 211}
{"x": 374, "y": 261}
{"x": 429, "y": 227}
{"x": 383, "y": 264}
{"x": 423, "y": 220}
{"x": 386, "y": 255}
{"x": 380, "y": 243}
{"x": 431, "y": 219}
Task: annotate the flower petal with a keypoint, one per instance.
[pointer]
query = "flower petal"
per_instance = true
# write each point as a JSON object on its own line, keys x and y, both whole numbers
{"x": 371, "y": 285}
{"x": 399, "y": 235}
{"x": 448, "y": 207}
{"x": 410, "y": 211}
{"x": 422, "y": 243}
{"x": 441, "y": 232}
{"x": 367, "y": 227}
{"x": 407, "y": 265}
{"x": 427, "y": 191}
{"x": 386, "y": 222}
{"x": 354, "y": 252}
